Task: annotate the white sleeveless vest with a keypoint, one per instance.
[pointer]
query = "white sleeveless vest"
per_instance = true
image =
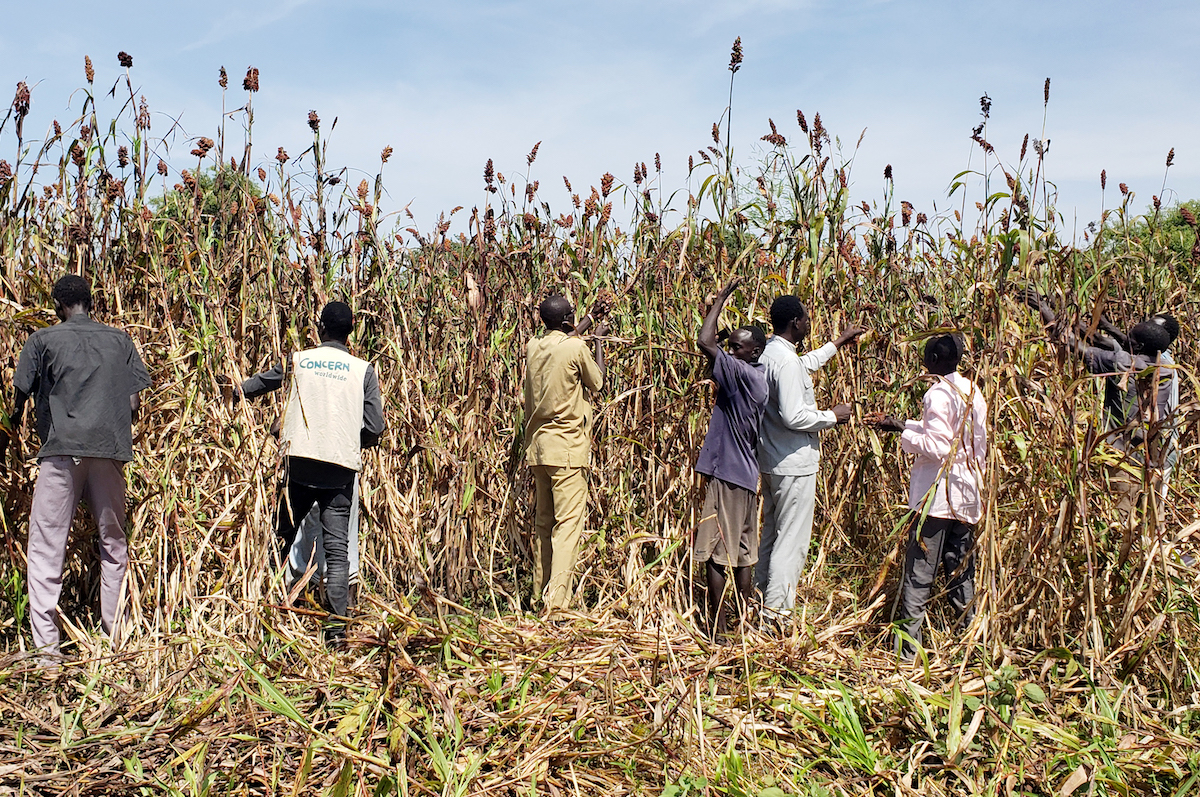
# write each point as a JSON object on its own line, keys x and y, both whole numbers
{"x": 324, "y": 412}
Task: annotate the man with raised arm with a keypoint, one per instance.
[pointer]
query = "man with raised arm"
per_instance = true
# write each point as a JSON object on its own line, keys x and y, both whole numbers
{"x": 333, "y": 411}
{"x": 945, "y": 490}
{"x": 789, "y": 451}
{"x": 84, "y": 378}
{"x": 1138, "y": 409}
{"x": 727, "y": 534}
{"x": 1116, "y": 339}
{"x": 558, "y": 444}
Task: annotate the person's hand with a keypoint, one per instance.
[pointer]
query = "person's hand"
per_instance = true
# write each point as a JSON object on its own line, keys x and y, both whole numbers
{"x": 605, "y": 302}
{"x": 231, "y": 391}
{"x": 728, "y": 290}
{"x": 601, "y": 330}
{"x": 883, "y": 423}
{"x": 842, "y": 413}
{"x": 849, "y": 335}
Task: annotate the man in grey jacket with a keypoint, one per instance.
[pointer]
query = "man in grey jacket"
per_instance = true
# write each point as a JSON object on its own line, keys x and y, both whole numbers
{"x": 789, "y": 451}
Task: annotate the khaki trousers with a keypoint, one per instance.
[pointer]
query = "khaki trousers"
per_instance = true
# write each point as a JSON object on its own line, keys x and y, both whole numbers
{"x": 61, "y": 482}
{"x": 560, "y": 496}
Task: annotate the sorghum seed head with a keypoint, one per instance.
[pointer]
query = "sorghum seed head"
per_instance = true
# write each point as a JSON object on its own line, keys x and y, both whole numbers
{"x": 223, "y": 80}
{"x": 162, "y": 168}
{"x": 88, "y": 72}
{"x": 800, "y": 120}
{"x": 125, "y": 59}
{"x": 387, "y": 153}
{"x": 735, "y": 57}
{"x": 281, "y": 156}
{"x": 1170, "y": 155}
{"x": 1103, "y": 179}
{"x": 1046, "y": 93}
{"x": 1124, "y": 188}
{"x": 262, "y": 174}
{"x": 20, "y": 104}
{"x": 716, "y": 133}
{"x": 887, "y": 172}
{"x": 143, "y": 117}
{"x": 122, "y": 156}
{"x": 250, "y": 82}
{"x": 606, "y": 184}
{"x": 314, "y": 121}
{"x": 529, "y": 159}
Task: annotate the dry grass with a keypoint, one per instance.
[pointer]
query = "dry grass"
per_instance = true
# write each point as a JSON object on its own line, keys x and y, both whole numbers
{"x": 1078, "y": 667}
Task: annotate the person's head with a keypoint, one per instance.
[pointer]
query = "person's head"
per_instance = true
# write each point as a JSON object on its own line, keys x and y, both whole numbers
{"x": 789, "y": 318}
{"x": 337, "y": 322}
{"x": 71, "y": 294}
{"x": 1167, "y": 322}
{"x": 747, "y": 343}
{"x": 1149, "y": 339}
{"x": 557, "y": 313}
{"x": 942, "y": 354}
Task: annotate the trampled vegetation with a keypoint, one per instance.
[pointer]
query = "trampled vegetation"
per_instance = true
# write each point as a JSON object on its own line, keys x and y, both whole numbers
{"x": 1079, "y": 676}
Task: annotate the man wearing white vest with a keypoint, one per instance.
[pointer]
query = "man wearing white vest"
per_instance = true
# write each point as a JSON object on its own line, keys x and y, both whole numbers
{"x": 333, "y": 411}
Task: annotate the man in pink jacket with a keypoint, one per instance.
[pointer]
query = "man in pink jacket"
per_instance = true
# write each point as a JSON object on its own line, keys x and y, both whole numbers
{"x": 945, "y": 490}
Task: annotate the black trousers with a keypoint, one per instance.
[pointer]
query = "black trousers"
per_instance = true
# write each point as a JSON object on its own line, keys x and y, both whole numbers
{"x": 334, "y": 506}
{"x": 937, "y": 541}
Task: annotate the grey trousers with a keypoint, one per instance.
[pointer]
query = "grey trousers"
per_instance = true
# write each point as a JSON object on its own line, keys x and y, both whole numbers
{"x": 786, "y": 529}
{"x": 937, "y": 541}
{"x": 61, "y": 482}
{"x": 309, "y": 546}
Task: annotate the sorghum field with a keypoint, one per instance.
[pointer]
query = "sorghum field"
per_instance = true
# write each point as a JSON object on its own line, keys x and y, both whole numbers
{"x": 1078, "y": 677}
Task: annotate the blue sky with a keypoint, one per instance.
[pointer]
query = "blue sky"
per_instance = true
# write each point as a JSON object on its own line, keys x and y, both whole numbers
{"x": 604, "y": 85}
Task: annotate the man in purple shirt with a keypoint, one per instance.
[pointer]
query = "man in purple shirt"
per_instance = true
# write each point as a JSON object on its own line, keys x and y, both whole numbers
{"x": 727, "y": 535}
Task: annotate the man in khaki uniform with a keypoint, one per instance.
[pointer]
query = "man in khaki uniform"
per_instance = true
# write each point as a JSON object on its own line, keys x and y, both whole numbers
{"x": 558, "y": 443}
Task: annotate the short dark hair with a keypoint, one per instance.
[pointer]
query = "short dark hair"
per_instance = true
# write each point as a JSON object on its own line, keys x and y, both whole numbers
{"x": 1167, "y": 322}
{"x": 944, "y": 350}
{"x": 554, "y": 310}
{"x": 338, "y": 320}
{"x": 756, "y": 334}
{"x": 1153, "y": 337}
{"x": 784, "y": 310}
{"x": 72, "y": 290}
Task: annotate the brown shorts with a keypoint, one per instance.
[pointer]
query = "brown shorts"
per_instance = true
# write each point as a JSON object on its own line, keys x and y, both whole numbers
{"x": 728, "y": 528}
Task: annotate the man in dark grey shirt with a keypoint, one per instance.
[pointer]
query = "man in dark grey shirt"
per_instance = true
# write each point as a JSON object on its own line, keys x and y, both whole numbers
{"x": 84, "y": 378}
{"x": 1138, "y": 409}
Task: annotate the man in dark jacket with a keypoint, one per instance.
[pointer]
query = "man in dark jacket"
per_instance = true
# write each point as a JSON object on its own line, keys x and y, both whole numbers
{"x": 84, "y": 378}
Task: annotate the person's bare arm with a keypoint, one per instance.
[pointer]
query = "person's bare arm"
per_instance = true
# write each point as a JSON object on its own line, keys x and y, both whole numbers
{"x": 598, "y": 349}
{"x": 708, "y": 331}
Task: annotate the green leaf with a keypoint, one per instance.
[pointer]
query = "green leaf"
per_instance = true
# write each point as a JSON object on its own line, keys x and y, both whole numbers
{"x": 1034, "y": 693}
